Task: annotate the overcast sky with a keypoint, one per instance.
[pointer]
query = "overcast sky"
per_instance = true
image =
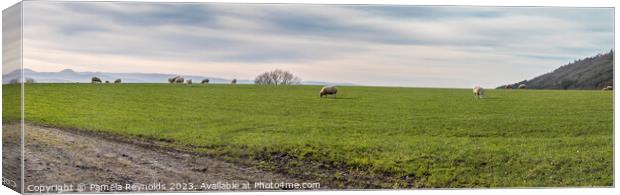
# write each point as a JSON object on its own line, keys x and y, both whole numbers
{"x": 422, "y": 46}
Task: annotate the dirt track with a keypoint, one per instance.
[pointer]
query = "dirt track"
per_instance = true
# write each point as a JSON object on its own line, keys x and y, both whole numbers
{"x": 56, "y": 157}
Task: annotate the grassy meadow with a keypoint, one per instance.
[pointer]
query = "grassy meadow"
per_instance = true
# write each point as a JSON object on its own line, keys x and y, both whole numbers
{"x": 386, "y": 136}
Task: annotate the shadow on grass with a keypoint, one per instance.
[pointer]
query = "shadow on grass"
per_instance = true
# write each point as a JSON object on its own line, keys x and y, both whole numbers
{"x": 488, "y": 98}
{"x": 340, "y": 98}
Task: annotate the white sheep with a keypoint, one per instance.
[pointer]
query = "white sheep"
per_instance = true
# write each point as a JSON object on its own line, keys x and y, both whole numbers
{"x": 331, "y": 90}
{"x": 478, "y": 92}
{"x": 176, "y": 79}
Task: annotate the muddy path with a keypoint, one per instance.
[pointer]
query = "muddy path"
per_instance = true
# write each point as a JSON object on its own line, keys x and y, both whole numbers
{"x": 92, "y": 164}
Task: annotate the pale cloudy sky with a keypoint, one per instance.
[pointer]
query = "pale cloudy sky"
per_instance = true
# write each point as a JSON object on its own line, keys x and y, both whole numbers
{"x": 424, "y": 46}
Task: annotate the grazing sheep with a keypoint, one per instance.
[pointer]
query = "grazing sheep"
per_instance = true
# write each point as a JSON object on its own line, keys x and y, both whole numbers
{"x": 331, "y": 90}
{"x": 189, "y": 81}
{"x": 522, "y": 86}
{"x": 478, "y": 92}
{"x": 176, "y": 79}
{"x": 30, "y": 80}
{"x": 205, "y": 81}
{"x": 234, "y": 81}
{"x": 608, "y": 88}
{"x": 95, "y": 80}
{"x": 117, "y": 81}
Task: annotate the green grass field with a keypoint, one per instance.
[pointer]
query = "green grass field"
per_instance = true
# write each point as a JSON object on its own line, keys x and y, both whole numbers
{"x": 396, "y": 137}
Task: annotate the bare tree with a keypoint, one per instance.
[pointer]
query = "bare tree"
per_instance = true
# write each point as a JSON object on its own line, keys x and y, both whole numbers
{"x": 277, "y": 77}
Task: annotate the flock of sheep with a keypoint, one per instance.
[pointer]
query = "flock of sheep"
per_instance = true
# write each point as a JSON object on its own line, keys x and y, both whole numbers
{"x": 98, "y": 80}
{"x": 180, "y": 80}
{"x": 325, "y": 91}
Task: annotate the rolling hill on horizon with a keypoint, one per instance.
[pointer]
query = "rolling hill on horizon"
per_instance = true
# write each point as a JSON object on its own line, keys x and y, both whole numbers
{"x": 71, "y": 76}
{"x": 595, "y": 72}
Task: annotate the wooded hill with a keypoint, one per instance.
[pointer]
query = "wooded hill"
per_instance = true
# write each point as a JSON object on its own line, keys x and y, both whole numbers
{"x": 594, "y": 72}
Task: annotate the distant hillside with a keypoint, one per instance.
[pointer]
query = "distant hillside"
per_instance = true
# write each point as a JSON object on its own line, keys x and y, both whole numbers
{"x": 71, "y": 76}
{"x": 594, "y": 72}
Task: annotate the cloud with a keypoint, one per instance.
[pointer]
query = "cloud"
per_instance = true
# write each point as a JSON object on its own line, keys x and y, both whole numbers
{"x": 11, "y": 36}
{"x": 430, "y": 46}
